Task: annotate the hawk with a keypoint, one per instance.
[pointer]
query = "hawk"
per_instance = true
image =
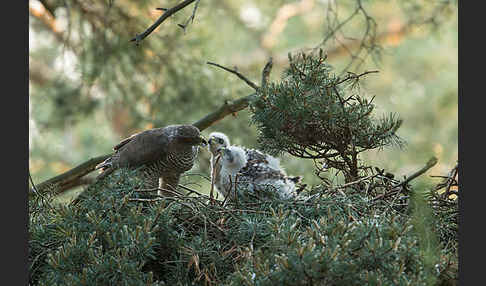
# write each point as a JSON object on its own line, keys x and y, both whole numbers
{"x": 217, "y": 141}
{"x": 243, "y": 175}
{"x": 161, "y": 155}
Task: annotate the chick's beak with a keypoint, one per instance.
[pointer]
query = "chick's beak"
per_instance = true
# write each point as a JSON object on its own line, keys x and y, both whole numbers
{"x": 225, "y": 152}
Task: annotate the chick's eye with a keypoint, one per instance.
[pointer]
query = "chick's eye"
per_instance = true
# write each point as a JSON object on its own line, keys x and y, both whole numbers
{"x": 221, "y": 141}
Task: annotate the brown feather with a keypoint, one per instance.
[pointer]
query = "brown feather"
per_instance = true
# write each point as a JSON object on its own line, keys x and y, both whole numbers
{"x": 124, "y": 141}
{"x": 142, "y": 148}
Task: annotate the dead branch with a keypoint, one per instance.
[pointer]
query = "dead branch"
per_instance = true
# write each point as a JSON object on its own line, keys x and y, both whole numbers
{"x": 448, "y": 183}
{"x": 234, "y": 71}
{"x": 228, "y": 107}
{"x": 266, "y": 72}
{"x": 191, "y": 191}
{"x": 431, "y": 163}
{"x": 352, "y": 76}
{"x": 167, "y": 13}
{"x": 62, "y": 181}
{"x": 191, "y": 18}
{"x": 399, "y": 187}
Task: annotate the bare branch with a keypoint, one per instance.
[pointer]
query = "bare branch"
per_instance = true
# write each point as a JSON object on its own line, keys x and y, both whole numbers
{"x": 353, "y": 76}
{"x": 66, "y": 178}
{"x": 250, "y": 83}
{"x": 191, "y": 18}
{"x": 451, "y": 180}
{"x": 266, "y": 72}
{"x": 431, "y": 163}
{"x": 229, "y": 107}
{"x": 169, "y": 12}
{"x": 191, "y": 191}
{"x": 398, "y": 187}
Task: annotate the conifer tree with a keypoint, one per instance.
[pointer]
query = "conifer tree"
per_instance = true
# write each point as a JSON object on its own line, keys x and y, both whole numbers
{"x": 312, "y": 113}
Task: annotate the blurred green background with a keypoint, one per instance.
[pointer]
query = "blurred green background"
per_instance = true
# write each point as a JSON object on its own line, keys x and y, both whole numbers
{"x": 90, "y": 87}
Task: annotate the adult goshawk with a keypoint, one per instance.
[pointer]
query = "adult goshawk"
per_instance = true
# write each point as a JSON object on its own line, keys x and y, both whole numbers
{"x": 161, "y": 154}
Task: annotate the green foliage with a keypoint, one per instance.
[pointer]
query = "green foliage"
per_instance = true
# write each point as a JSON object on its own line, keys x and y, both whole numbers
{"x": 101, "y": 241}
{"x": 315, "y": 114}
{"x": 337, "y": 251}
{"x": 115, "y": 234}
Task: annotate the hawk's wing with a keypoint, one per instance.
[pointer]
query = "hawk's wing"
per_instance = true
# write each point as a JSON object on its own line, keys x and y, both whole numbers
{"x": 124, "y": 141}
{"x": 141, "y": 148}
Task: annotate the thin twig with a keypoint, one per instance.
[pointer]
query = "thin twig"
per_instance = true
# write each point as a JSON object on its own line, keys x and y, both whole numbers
{"x": 147, "y": 190}
{"x": 169, "y": 12}
{"x": 34, "y": 188}
{"x": 191, "y": 191}
{"x": 431, "y": 163}
{"x": 266, "y": 72}
{"x": 173, "y": 191}
{"x": 191, "y": 18}
{"x": 353, "y": 76}
{"x": 149, "y": 200}
{"x": 450, "y": 180}
{"x": 250, "y": 83}
{"x": 33, "y": 185}
{"x": 355, "y": 182}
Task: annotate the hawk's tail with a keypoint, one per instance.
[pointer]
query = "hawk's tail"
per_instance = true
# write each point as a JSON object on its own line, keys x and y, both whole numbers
{"x": 106, "y": 168}
{"x": 104, "y": 165}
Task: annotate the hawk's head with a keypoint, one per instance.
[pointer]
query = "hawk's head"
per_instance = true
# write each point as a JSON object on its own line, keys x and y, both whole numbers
{"x": 188, "y": 134}
{"x": 217, "y": 140}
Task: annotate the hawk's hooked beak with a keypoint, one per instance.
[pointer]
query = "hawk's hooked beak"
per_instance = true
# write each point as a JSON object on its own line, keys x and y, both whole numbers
{"x": 204, "y": 142}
